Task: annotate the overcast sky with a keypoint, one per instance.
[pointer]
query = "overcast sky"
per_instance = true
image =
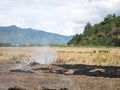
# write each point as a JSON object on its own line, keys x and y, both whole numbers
{"x": 66, "y": 17}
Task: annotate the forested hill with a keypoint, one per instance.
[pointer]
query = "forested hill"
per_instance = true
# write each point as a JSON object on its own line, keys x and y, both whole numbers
{"x": 14, "y": 35}
{"x": 106, "y": 33}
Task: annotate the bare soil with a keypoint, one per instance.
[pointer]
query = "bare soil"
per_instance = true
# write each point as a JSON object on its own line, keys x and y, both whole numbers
{"x": 59, "y": 77}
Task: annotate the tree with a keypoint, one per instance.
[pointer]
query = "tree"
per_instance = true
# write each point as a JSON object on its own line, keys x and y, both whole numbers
{"x": 114, "y": 15}
{"x": 108, "y": 17}
{"x": 87, "y": 27}
{"x": 105, "y": 33}
{"x": 75, "y": 40}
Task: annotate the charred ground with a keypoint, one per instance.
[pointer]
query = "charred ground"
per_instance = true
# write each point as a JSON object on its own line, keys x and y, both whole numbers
{"x": 60, "y": 77}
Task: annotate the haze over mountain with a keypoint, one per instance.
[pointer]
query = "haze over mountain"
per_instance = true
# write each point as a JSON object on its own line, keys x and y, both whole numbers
{"x": 28, "y": 36}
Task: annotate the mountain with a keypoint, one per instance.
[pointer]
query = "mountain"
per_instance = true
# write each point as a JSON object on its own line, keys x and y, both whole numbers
{"x": 28, "y": 36}
{"x": 105, "y": 33}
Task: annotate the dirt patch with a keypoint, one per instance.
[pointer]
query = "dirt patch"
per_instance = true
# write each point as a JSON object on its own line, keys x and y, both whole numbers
{"x": 61, "y": 77}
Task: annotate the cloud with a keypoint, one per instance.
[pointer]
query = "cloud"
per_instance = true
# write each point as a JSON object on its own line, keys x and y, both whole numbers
{"x": 65, "y": 17}
{"x": 7, "y": 19}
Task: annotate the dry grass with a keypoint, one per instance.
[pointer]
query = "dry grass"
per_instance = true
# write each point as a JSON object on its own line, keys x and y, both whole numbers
{"x": 89, "y": 56}
{"x": 15, "y": 53}
{"x": 67, "y": 55}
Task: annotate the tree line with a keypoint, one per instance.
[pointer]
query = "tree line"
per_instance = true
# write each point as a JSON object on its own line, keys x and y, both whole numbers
{"x": 105, "y": 33}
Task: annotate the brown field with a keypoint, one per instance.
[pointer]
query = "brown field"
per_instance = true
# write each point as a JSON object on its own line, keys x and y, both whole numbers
{"x": 75, "y": 68}
{"x": 65, "y": 55}
{"x": 89, "y": 56}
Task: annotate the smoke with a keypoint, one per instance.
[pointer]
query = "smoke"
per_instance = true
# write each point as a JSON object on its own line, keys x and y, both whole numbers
{"x": 45, "y": 55}
{"x": 41, "y": 55}
{"x": 21, "y": 66}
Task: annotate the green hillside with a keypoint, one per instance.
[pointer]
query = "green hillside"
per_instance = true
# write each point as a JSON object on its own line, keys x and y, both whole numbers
{"x": 28, "y": 36}
{"x": 105, "y": 33}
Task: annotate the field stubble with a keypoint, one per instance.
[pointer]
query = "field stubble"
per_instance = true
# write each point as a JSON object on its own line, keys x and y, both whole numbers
{"x": 65, "y": 55}
{"x": 89, "y": 56}
{"x": 55, "y": 76}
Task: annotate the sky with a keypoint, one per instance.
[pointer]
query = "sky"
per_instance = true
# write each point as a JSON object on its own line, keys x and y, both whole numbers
{"x": 66, "y": 17}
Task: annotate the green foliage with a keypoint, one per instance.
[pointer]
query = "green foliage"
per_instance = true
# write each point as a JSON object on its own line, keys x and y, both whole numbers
{"x": 87, "y": 29}
{"x": 75, "y": 40}
{"x": 106, "y": 33}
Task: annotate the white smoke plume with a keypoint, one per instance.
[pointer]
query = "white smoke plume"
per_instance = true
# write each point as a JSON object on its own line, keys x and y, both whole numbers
{"x": 45, "y": 55}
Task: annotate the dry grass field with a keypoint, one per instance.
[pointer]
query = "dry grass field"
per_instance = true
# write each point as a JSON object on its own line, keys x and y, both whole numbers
{"x": 65, "y": 55}
{"x": 75, "y": 68}
{"x": 89, "y": 56}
